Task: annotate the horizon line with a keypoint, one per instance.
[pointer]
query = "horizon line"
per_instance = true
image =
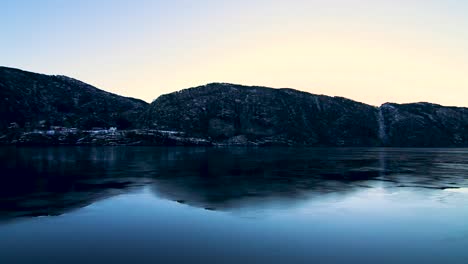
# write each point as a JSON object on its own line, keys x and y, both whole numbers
{"x": 228, "y": 83}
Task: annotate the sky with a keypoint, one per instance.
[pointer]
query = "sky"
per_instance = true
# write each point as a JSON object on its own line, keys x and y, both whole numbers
{"x": 367, "y": 50}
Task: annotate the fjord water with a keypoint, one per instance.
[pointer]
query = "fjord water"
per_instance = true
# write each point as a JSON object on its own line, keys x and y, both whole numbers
{"x": 233, "y": 205}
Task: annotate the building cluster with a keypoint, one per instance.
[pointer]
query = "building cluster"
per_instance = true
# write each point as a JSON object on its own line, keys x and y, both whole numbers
{"x": 59, "y": 130}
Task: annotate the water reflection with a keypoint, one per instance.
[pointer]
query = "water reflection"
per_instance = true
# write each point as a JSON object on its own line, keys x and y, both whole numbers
{"x": 52, "y": 181}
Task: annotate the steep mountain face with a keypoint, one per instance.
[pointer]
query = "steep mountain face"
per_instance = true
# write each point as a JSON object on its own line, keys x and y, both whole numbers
{"x": 424, "y": 125}
{"x": 234, "y": 114}
{"x": 217, "y": 113}
{"x": 37, "y": 100}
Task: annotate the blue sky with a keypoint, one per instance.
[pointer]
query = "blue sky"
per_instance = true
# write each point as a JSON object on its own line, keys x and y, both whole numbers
{"x": 370, "y": 51}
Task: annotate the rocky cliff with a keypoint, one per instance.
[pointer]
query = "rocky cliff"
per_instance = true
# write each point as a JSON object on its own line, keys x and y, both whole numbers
{"x": 218, "y": 114}
{"x": 234, "y": 114}
{"x": 37, "y": 100}
{"x": 242, "y": 115}
{"x": 423, "y": 125}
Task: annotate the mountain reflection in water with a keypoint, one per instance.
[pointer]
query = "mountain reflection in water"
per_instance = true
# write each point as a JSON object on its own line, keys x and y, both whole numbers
{"x": 52, "y": 181}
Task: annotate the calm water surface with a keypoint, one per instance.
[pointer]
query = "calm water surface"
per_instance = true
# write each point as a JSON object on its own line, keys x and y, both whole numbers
{"x": 233, "y": 205}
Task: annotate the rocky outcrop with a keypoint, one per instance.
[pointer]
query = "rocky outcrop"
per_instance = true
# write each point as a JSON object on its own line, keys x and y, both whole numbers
{"x": 216, "y": 114}
{"x": 31, "y": 100}
{"x": 241, "y": 115}
{"x": 424, "y": 125}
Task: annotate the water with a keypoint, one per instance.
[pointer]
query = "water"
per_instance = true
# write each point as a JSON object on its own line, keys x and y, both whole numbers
{"x": 233, "y": 205}
{"x": 382, "y": 126}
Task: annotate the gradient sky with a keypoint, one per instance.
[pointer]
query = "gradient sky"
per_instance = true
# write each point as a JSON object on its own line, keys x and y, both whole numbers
{"x": 367, "y": 50}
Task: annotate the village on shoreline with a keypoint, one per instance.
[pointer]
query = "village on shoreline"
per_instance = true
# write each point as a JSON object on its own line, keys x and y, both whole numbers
{"x": 58, "y": 135}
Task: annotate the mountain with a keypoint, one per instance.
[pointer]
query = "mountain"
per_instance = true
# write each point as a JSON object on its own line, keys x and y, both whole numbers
{"x": 216, "y": 114}
{"x": 38, "y": 100}
{"x": 250, "y": 115}
{"x": 235, "y": 114}
{"x": 423, "y": 125}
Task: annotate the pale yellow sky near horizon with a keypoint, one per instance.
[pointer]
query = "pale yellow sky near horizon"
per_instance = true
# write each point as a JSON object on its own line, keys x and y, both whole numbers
{"x": 369, "y": 51}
